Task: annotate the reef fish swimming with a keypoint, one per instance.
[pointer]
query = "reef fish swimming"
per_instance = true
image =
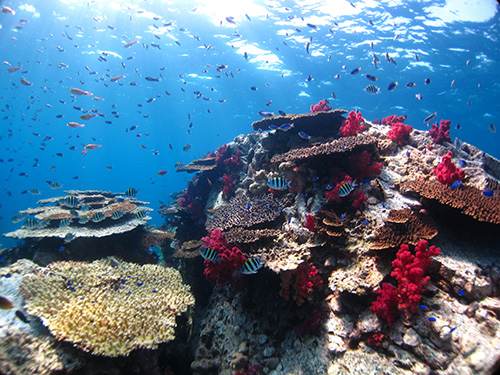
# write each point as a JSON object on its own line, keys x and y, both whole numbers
{"x": 209, "y": 254}
{"x": 251, "y": 266}
{"x": 277, "y": 183}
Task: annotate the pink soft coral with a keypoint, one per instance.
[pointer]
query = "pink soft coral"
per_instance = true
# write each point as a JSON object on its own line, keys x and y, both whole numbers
{"x": 302, "y": 279}
{"x": 446, "y": 172}
{"x": 352, "y": 124}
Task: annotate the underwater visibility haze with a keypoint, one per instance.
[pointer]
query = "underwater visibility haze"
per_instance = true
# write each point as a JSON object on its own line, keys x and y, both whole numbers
{"x": 173, "y": 80}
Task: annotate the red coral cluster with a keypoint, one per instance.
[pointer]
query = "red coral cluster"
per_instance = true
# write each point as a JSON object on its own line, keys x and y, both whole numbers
{"x": 223, "y": 158}
{"x": 190, "y": 200}
{"x": 310, "y": 223}
{"x": 253, "y": 370}
{"x": 447, "y": 172}
{"x": 400, "y": 133}
{"x": 228, "y": 185}
{"x": 303, "y": 280}
{"x": 221, "y": 154}
{"x": 359, "y": 199}
{"x": 321, "y": 106}
{"x": 230, "y": 259}
{"x": 333, "y": 195}
{"x": 392, "y": 119}
{"x": 352, "y": 124}
{"x": 409, "y": 271}
{"x": 362, "y": 167}
{"x": 376, "y": 339}
{"x": 441, "y": 133}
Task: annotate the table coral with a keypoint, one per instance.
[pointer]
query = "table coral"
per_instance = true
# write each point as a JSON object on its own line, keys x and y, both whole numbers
{"x": 108, "y": 307}
{"x": 352, "y": 125}
{"x": 446, "y": 172}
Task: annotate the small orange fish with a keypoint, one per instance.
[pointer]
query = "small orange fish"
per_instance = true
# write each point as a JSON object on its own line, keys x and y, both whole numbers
{"x": 88, "y": 116}
{"x": 79, "y": 92}
{"x": 74, "y": 125}
{"x": 97, "y": 99}
{"x": 92, "y": 146}
{"x": 162, "y": 173}
{"x": 83, "y": 152}
{"x": 114, "y": 79}
{"x": 126, "y": 45}
{"x": 13, "y": 69}
{"x": 25, "y": 82}
{"x": 5, "y": 304}
{"x": 8, "y": 10}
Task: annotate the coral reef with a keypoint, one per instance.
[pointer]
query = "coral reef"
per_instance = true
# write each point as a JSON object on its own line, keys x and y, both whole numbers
{"x": 399, "y": 133}
{"x": 341, "y": 145}
{"x": 468, "y": 200}
{"x": 404, "y": 226}
{"x": 83, "y": 215}
{"x": 206, "y": 164}
{"x": 242, "y": 211}
{"x": 107, "y": 307}
{"x": 300, "y": 283}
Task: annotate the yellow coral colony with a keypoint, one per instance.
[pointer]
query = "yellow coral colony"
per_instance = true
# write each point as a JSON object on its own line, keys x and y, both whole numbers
{"x": 108, "y": 307}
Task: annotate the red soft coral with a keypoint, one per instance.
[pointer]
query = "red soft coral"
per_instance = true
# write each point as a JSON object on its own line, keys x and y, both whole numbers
{"x": 310, "y": 223}
{"x": 234, "y": 161}
{"x": 409, "y": 271}
{"x": 362, "y": 167}
{"x": 302, "y": 279}
{"x": 359, "y": 199}
{"x": 221, "y": 154}
{"x": 446, "y": 172}
{"x": 228, "y": 187}
{"x": 392, "y": 119}
{"x": 400, "y": 133}
{"x": 320, "y": 107}
{"x": 441, "y": 133}
{"x": 230, "y": 259}
{"x": 352, "y": 124}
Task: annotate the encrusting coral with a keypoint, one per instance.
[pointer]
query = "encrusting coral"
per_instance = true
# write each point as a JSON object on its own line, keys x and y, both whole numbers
{"x": 108, "y": 307}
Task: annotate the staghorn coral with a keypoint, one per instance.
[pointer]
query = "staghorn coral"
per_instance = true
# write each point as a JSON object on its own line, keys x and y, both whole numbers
{"x": 467, "y": 199}
{"x": 403, "y": 226}
{"x": 242, "y": 211}
{"x": 340, "y": 145}
{"x": 107, "y": 307}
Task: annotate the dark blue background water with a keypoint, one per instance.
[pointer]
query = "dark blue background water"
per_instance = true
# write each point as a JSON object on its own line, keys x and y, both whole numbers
{"x": 443, "y": 34}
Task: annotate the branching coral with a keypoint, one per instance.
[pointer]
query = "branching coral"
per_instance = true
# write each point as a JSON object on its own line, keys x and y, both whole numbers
{"x": 108, "y": 307}
{"x": 399, "y": 133}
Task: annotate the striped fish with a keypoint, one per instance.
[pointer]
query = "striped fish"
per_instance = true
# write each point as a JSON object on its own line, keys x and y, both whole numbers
{"x": 85, "y": 207}
{"x": 74, "y": 213}
{"x": 251, "y": 266}
{"x": 69, "y": 201}
{"x": 31, "y": 223}
{"x": 117, "y": 215}
{"x": 347, "y": 188}
{"x": 372, "y": 89}
{"x": 130, "y": 193}
{"x": 98, "y": 217}
{"x": 209, "y": 254}
{"x": 19, "y": 217}
{"x": 277, "y": 183}
{"x": 64, "y": 222}
{"x": 141, "y": 214}
{"x": 83, "y": 220}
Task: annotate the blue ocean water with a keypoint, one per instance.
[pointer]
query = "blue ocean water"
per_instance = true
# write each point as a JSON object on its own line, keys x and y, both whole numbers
{"x": 240, "y": 55}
